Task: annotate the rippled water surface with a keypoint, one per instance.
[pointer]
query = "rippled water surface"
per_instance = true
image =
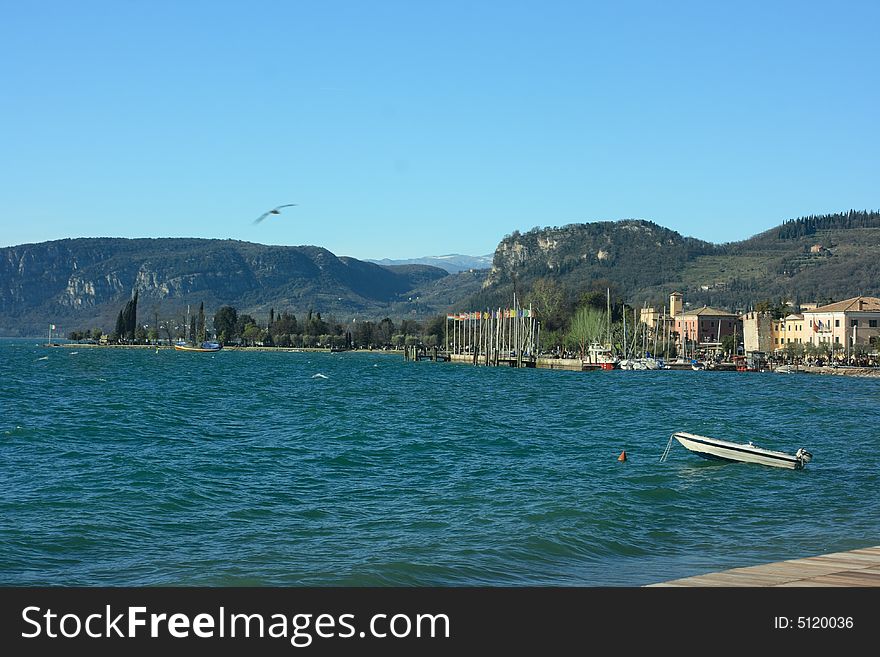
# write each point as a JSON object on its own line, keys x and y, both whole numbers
{"x": 128, "y": 467}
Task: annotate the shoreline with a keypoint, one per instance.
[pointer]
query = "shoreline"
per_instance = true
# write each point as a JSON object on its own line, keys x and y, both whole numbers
{"x": 546, "y": 363}
{"x": 165, "y": 347}
{"x": 842, "y": 370}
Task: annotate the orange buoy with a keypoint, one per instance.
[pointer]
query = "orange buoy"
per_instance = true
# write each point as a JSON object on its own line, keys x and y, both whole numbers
{"x": 622, "y": 456}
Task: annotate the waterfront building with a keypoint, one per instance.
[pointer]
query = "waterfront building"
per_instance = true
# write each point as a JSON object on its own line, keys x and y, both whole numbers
{"x": 845, "y": 325}
{"x": 703, "y": 328}
{"x": 660, "y": 323}
{"x": 758, "y": 332}
{"x": 676, "y": 304}
{"x": 789, "y": 330}
{"x": 651, "y": 317}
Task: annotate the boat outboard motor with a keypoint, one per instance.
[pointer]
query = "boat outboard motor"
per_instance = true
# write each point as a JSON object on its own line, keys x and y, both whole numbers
{"x": 803, "y": 456}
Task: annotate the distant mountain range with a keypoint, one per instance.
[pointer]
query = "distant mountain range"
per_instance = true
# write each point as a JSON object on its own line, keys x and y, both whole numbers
{"x": 453, "y": 263}
{"x": 84, "y": 283}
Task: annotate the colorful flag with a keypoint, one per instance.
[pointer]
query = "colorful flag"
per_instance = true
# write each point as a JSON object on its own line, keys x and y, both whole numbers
{"x": 52, "y": 326}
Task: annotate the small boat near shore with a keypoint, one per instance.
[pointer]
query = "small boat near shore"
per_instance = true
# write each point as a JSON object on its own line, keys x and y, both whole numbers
{"x": 724, "y": 450}
{"x": 204, "y": 347}
{"x": 601, "y": 354}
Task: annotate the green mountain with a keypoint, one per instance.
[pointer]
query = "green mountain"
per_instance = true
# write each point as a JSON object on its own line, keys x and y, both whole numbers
{"x": 83, "y": 283}
{"x": 808, "y": 259}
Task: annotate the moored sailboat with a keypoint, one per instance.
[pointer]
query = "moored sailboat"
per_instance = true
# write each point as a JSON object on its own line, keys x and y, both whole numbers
{"x": 204, "y": 346}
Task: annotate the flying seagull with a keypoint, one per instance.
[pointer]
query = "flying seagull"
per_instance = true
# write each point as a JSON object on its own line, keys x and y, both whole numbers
{"x": 276, "y": 210}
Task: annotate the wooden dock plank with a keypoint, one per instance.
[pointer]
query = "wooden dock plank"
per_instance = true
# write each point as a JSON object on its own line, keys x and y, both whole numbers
{"x": 840, "y": 579}
{"x": 855, "y": 559}
{"x": 804, "y": 583}
{"x": 792, "y": 570}
{"x": 859, "y": 567}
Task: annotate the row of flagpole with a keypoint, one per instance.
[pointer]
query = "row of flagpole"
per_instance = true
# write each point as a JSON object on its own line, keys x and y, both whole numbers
{"x": 493, "y": 335}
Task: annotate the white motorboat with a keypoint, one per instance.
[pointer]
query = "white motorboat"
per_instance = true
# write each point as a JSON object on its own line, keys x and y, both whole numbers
{"x": 641, "y": 364}
{"x": 724, "y": 450}
{"x": 602, "y": 355}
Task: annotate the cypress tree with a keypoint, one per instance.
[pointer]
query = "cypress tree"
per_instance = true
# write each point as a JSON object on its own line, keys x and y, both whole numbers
{"x": 126, "y": 311}
{"x": 120, "y": 326}
{"x": 131, "y": 316}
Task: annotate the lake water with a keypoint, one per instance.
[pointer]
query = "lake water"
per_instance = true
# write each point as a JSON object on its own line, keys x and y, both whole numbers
{"x": 128, "y": 467}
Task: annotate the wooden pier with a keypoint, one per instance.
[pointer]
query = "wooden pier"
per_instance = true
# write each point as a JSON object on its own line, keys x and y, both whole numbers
{"x": 854, "y": 568}
{"x": 417, "y": 353}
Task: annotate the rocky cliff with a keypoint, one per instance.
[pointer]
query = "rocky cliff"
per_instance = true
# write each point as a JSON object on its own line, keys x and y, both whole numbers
{"x": 813, "y": 259}
{"x": 83, "y": 283}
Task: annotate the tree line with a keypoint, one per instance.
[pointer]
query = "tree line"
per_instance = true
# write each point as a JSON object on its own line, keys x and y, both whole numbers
{"x": 803, "y": 226}
{"x": 282, "y": 329}
{"x": 285, "y": 330}
{"x": 568, "y": 325}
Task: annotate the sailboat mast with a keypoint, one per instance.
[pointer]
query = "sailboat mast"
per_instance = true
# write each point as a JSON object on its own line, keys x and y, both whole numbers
{"x": 654, "y": 348}
{"x": 666, "y": 335}
{"x": 635, "y": 333}
{"x": 608, "y": 306}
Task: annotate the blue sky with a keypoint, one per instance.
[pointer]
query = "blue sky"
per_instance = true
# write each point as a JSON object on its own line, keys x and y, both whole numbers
{"x": 411, "y": 128}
